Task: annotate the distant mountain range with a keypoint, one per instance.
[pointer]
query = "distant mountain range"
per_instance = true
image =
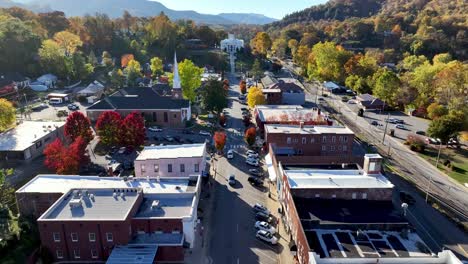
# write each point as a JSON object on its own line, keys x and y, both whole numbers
{"x": 143, "y": 8}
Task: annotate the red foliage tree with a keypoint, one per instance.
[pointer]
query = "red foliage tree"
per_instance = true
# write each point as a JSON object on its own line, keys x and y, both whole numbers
{"x": 133, "y": 130}
{"x": 125, "y": 59}
{"x": 220, "y": 140}
{"x": 66, "y": 160}
{"x": 78, "y": 125}
{"x": 243, "y": 87}
{"x": 250, "y": 135}
{"x": 108, "y": 127}
{"x": 246, "y": 120}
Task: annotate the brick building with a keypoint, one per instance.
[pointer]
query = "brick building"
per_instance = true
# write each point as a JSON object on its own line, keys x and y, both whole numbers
{"x": 94, "y": 216}
{"x": 287, "y": 91}
{"x": 171, "y": 161}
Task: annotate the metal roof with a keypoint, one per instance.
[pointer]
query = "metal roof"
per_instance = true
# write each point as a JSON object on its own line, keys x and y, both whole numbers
{"x": 26, "y": 134}
{"x": 141, "y": 254}
{"x": 172, "y": 152}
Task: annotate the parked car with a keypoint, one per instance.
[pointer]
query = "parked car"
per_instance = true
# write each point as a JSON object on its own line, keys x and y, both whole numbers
{"x": 252, "y": 155}
{"x": 375, "y": 123}
{"x": 244, "y": 109}
{"x": 122, "y": 150}
{"x": 260, "y": 208}
{"x": 255, "y": 181}
{"x": 407, "y": 198}
{"x": 205, "y": 133}
{"x": 344, "y": 99}
{"x": 155, "y": 129}
{"x": 399, "y": 126}
{"x": 178, "y": 139}
{"x": 72, "y": 107}
{"x": 256, "y": 172}
{"x": 267, "y": 237}
{"x": 252, "y": 162}
{"x": 187, "y": 131}
{"x": 391, "y": 120}
{"x": 399, "y": 121}
{"x": 241, "y": 97}
{"x": 352, "y": 102}
{"x": 321, "y": 99}
{"x": 232, "y": 180}
{"x": 169, "y": 138}
{"x": 230, "y": 154}
{"x": 422, "y": 133}
{"x": 432, "y": 141}
{"x": 260, "y": 216}
{"x": 250, "y": 152}
{"x": 260, "y": 225}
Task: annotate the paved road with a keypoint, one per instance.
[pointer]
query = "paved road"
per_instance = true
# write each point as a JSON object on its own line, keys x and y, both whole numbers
{"x": 232, "y": 234}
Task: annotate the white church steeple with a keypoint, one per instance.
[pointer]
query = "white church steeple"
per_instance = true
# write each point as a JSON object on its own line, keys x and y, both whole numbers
{"x": 176, "y": 86}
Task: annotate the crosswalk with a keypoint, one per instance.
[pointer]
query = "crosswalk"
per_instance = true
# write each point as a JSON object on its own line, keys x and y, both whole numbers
{"x": 235, "y": 146}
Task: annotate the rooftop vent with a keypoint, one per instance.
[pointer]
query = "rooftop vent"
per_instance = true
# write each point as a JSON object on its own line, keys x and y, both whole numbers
{"x": 155, "y": 204}
{"x": 122, "y": 195}
{"x": 114, "y": 195}
{"x": 75, "y": 203}
{"x": 91, "y": 196}
{"x": 177, "y": 187}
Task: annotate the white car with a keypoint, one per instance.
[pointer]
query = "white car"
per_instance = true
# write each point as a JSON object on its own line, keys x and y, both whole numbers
{"x": 261, "y": 225}
{"x": 155, "y": 129}
{"x": 252, "y": 156}
{"x": 122, "y": 150}
{"x": 400, "y": 127}
{"x": 249, "y": 152}
{"x": 351, "y": 102}
{"x": 230, "y": 154}
{"x": 205, "y": 133}
{"x": 252, "y": 162}
{"x": 260, "y": 208}
{"x": 267, "y": 237}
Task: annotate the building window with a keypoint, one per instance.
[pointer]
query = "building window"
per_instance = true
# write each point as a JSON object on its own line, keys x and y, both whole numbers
{"x": 339, "y": 148}
{"x": 197, "y": 168}
{"x": 175, "y": 115}
{"x": 38, "y": 144}
{"x": 182, "y": 167}
{"x": 76, "y": 253}
{"x": 354, "y": 195}
{"x": 59, "y": 253}
{"x": 296, "y": 140}
{"x": 155, "y": 117}
{"x": 364, "y": 196}
{"x": 156, "y": 167}
{"x": 56, "y": 237}
{"x": 317, "y": 195}
{"x": 109, "y": 237}
{"x": 324, "y": 148}
{"x": 334, "y": 196}
{"x": 341, "y": 139}
{"x": 288, "y": 140}
{"x": 332, "y": 148}
{"x": 165, "y": 117}
{"x": 345, "y": 139}
{"x": 324, "y": 139}
{"x": 312, "y": 140}
{"x": 94, "y": 253}
{"x": 304, "y": 140}
{"x": 74, "y": 237}
{"x": 345, "y": 148}
{"x": 143, "y": 169}
{"x": 333, "y": 139}
{"x": 92, "y": 237}
{"x": 169, "y": 167}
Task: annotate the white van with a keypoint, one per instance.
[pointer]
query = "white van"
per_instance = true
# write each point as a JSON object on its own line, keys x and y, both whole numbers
{"x": 54, "y": 101}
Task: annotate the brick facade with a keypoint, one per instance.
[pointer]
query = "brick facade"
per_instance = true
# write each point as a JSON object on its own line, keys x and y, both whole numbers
{"x": 163, "y": 118}
{"x": 35, "y": 204}
{"x": 345, "y": 194}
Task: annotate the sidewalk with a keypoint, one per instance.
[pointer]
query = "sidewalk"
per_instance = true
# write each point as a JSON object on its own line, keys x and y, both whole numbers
{"x": 284, "y": 255}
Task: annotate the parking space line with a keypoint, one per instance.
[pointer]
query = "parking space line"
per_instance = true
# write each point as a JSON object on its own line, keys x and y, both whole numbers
{"x": 258, "y": 251}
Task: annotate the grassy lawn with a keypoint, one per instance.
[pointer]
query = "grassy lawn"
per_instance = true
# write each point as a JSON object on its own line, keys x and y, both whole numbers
{"x": 457, "y": 157}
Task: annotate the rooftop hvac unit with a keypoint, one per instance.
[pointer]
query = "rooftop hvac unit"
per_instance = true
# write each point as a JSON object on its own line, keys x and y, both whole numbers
{"x": 155, "y": 204}
{"x": 91, "y": 196}
{"x": 74, "y": 203}
{"x": 76, "y": 194}
{"x": 122, "y": 195}
{"x": 114, "y": 195}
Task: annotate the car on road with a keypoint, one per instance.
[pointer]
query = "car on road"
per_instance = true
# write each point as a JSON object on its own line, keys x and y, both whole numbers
{"x": 352, "y": 102}
{"x": 187, "y": 131}
{"x": 261, "y": 216}
{"x": 230, "y": 154}
{"x": 252, "y": 162}
{"x": 255, "y": 181}
{"x": 205, "y": 133}
{"x": 344, "y": 99}
{"x": 399, "y": 121}
{"x": 375, "y": 123}
{"x": 244, "y": 109}
{"x": 39, "y": 107}
{"x": 420, "y": 132}
{"x": 400, "y": 126}
{"x": 256, "y": 172}
{"x": 407, "y": 198}
{"x": 122, "y": 150}
{"x": 432, "y": 141}
{"x": 250, "y": 152}
{"x": 169, "y": 138}
{"x": 72, "y": 107}
{"x": 232, "y": 180}
{"x": 258, "y": 207}
{"x": 321, "y": 99}
{"x": 267, "y": 237}
{"x": 260, "y": 225}
{"x": 155, "y": 129}
{"x": 391, "y": 120}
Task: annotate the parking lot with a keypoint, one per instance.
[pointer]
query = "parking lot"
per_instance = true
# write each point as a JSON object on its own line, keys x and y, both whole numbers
{"x": 49, "y": 112}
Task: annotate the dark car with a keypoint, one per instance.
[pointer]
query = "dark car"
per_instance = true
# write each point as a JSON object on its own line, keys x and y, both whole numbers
{"x": 261, "y": 216}
{"x": 374, "y": 123}
{"x": 255, "y": 181}
{"x": 189, "y": 140}
{"x": 177, "y": 139}
{"x": 128, "y": 165}
{"x": 407, "y": 198}
{"x": 72, "y": 107}
{"x": 422, "y": 133}
{"x": 256, "y": 172}
{"x": 186, "y": 131}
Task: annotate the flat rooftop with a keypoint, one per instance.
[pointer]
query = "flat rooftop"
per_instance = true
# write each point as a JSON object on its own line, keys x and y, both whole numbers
{"x": 63, "y": 183}
{"x": 335, "y": 179}
{"x": 172, "y": 152}
{"x": 290, "y": 113}
{"x": 93, "y": 204}
{"x": 270, "y": 107}
{"x": 176, "y": 207}
{"x": 307, "y": 130}
{"x": 26, "y": 134}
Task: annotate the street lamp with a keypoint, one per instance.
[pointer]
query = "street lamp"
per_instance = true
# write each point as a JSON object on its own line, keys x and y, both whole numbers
{"x": 404, "y": 206}
{"x": 438, "y": 155}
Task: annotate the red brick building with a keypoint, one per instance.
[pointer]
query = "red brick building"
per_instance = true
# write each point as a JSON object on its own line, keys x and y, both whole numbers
{"x": 87, "y": 223}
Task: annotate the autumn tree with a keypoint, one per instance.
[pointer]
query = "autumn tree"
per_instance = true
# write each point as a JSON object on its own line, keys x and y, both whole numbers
{"x": 125, "y": 59}
{"x": 156, "y": 66}
{"x": 108, "y": 127}
{"x": 250, "y": 135}
{"x": 255, "y": 97}
{"x": 447, "y": 126}
{"x": 161, "y": 32}
{"x": 451, "y": 83}
{"x": 66, "y": 160}
{"x": 107, "y": 59}
{"x": 243, "y": 86}
{"x": 436, "y": 110}
{"x": 278, "y": 47}
{"x": 261, "y": 43}
{"x": 189, "y": 78}
{"x": 257, "y": 71}
{"x": 133, "y": 130}
{"x": 117, "y": 79}
{"x": 8, "y": 114}
{"x": 53, "y": 21}
{"x": 68, "y": 42}
{"x": 386, "y": 86}
{"x": 213, "y": 96}
{"x": 219, "y": 139}
{"x": 133, "y": 72}
{"x": 78, "y": 125}
{"x": 292, "y": 45}
{"x": 301, "y": 55}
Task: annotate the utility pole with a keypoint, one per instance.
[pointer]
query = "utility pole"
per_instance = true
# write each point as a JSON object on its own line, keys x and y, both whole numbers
{"x": 385, "y": 131}
{"x": 438, "y": 155}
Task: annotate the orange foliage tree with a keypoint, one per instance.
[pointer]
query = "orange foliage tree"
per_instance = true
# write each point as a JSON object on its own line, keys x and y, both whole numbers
{"x": 243, "y": 87}
{"x": 219, "y": 138}
{"x": 250, "y": 135}
{"x": 126, "y": 58}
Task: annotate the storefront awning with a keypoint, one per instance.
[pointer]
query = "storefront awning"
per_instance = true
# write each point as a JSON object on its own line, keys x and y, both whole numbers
{"x": 271, "y": 169}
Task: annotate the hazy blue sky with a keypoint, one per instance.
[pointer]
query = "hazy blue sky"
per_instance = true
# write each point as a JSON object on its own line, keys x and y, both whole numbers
{"x": 270, "y": 8}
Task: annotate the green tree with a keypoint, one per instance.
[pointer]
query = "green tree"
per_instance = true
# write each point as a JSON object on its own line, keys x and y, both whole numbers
{"x": 8, "y": 116}
{"x": 190, "y": 78}
{"x": 255, "y": 97}
{"x": 436, "y": 110}
{"x": 451, "y": 85}
{"x": 410, "y": 63}
{"x": 327, "y": 62}
{"x": 213, "y": 96}
{"x": 132, "y": 72}
{"x": 447, "y": 126}
{"x": 278, "y": 47}
{"x": 52, "y": 58}
{"x": 261, "y": 43}
{"x": 117, "y": 79}
{"x": 386, "y": 86}
{"x": 292, "y": 45}
{"x": 156, "y": 66}
{"x": 107, "y": 59}
{"x": 68, "y": 42}
{"x": 256, "y": 71}
{"x": 301, "y": 56}
{"x": 358, "y": 84}
{"x": 161, "y": 33}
